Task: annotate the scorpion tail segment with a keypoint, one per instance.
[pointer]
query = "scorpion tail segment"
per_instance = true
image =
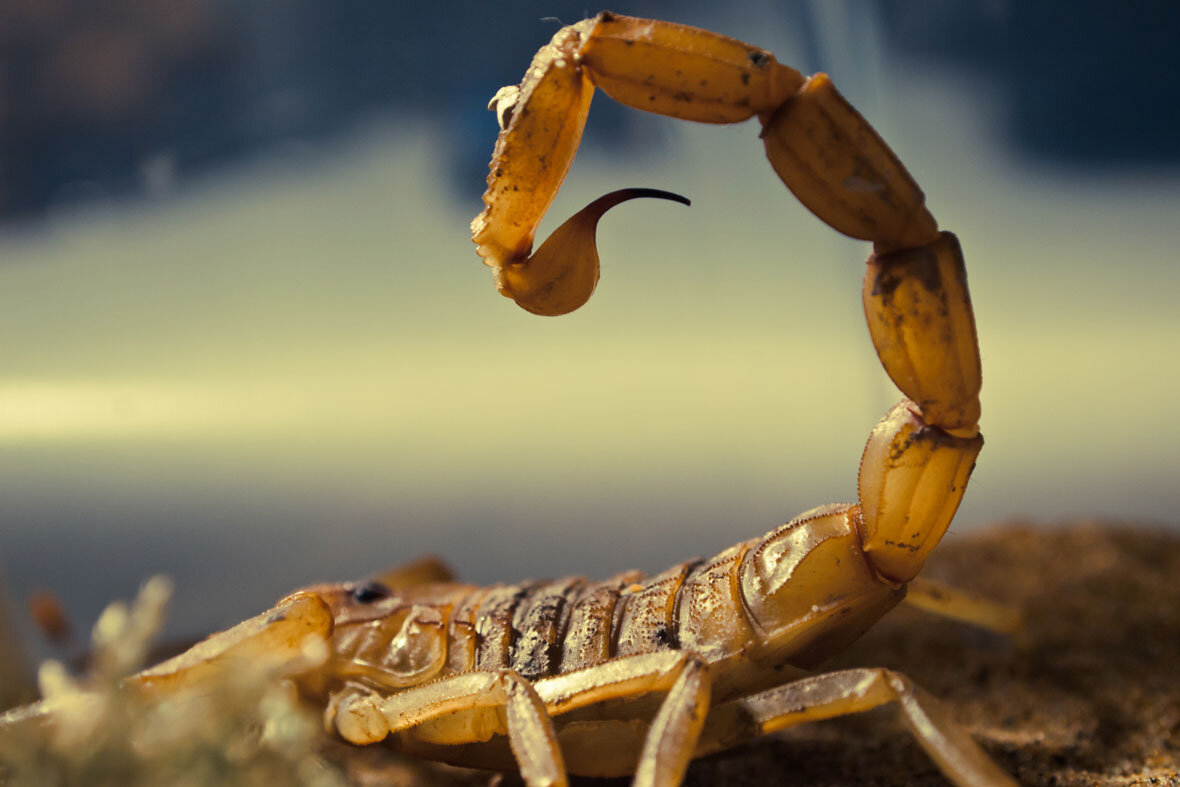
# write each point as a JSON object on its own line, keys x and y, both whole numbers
{"x": 561, "y": 275}
{"x": 285, "y": 639}
{"x": 684, "y": 72}
{"x": 836, "y": 164}
{"x": 541, "y": 126}
{"x": 912, "y": 478}
{"x": 919, "y": 314}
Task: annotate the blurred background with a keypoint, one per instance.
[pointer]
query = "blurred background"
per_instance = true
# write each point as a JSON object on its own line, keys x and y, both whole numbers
{"x": 245, "y": 339}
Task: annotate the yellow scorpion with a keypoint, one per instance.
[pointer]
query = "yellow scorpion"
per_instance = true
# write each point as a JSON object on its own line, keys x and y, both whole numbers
{"x": 640, "y": 674}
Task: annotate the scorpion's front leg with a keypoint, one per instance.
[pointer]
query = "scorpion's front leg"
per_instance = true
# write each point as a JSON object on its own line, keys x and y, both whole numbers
{"x": 476, "y": 705}
{"x": 361, "y": 716}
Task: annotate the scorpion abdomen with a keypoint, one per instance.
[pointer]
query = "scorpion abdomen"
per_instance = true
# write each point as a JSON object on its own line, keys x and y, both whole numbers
{"x": 758, "y": 602}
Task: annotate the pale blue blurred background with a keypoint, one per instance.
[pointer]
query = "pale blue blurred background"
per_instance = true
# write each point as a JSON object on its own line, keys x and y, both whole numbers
{"x": 245, "y": 340}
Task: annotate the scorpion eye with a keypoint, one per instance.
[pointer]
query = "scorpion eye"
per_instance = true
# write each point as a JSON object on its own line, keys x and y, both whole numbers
{"x": 367, "y": 592}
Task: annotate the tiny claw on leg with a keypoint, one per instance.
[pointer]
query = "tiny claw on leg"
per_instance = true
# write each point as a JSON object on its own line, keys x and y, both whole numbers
{"x": 560, "y": 276}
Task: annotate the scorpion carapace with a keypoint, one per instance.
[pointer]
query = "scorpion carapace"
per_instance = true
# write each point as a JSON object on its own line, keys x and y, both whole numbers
{"x": 641, "y": 674}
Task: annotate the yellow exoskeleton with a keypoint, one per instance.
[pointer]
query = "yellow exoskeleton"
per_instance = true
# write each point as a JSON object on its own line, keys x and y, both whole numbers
{"x": 640, "y": 674}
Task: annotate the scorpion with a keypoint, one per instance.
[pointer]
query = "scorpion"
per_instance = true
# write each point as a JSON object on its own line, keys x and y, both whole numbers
{"x": 640, "y": 674}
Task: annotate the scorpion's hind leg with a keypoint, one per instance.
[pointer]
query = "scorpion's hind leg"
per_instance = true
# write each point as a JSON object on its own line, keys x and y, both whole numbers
{"x": 363, "y": 717}
{"x": 851, "y": 691}
{"x": 963, "y": 606}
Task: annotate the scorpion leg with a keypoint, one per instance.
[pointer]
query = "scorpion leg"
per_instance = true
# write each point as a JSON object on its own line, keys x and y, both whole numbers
{"x": 363, "y": 717}
{"x": 851, "y": 691}
{"x": 669, "y": 741}
{"x": 593, "y": 742}
{"x": 674, "y": 732}
{"x": 963, "y": 606}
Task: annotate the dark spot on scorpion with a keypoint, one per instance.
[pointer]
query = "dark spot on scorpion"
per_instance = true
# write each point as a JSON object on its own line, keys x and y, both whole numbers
{"x": 895, "y": 267}
{"x": 896, "y": 454}
{"x": 745, "y": 77}
{"x": 368, "y": 592}
{"x": 682, "y": 96}
{"x": 759, "y": 59}
{"x": 607, "y": 16}
{"x": 901, "y": 545}
{"x": 664, "y": 637}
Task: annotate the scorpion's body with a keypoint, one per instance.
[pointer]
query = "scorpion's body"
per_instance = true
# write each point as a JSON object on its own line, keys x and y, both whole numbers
{"x": 716, "y": 609}
{"x": 643, "y": 673}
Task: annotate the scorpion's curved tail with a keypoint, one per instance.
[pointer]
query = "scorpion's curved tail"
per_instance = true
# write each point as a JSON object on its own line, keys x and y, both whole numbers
{"x": 561, "y": 275}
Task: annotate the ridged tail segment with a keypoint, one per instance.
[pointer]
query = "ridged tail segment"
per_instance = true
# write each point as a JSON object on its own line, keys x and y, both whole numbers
{"x": 534, "y": 149}
{"x": 919, "y": 313}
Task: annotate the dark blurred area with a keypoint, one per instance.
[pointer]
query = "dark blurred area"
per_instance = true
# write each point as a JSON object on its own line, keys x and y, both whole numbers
{"x": 1087, "y": 83}
{"x": 128, "y": 97}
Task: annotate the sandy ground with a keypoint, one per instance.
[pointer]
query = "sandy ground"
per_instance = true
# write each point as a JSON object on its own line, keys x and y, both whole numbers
{"x": 1090, "y": 698}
